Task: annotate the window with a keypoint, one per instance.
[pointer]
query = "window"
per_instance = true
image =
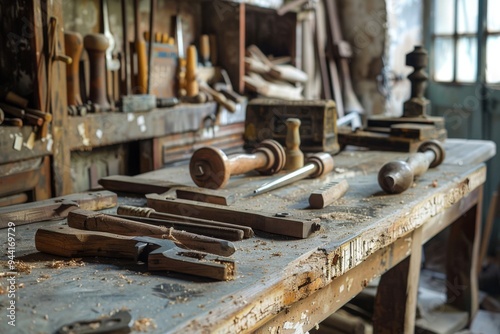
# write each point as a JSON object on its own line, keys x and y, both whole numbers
{"x": 457, "y": 40}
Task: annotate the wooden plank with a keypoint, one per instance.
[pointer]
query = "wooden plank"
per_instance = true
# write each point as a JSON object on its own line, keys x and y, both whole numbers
{"x": 136, "y": 185}
{"x": 56, "y": 208}
{"x": 61, "y": 132}
{"x": 102, "y": 129}
{"x": 320, "y": 304}
{"x": 461, "y": 261}
{"x": 219, "y": 197}
{"x": 267, "y": 222}
{"x": 399, "y": 285}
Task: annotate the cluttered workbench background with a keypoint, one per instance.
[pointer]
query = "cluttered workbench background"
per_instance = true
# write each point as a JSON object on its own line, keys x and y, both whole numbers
{"x": 273, "y": 272}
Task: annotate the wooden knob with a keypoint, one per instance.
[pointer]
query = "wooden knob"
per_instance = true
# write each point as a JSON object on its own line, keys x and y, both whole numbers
{"x": 294, "y": 156}
{"x": 96, "y": 45}
{"x": 73, "y": 43}
{"x": 397, "y": 176}
{"x": 211, "y": 168}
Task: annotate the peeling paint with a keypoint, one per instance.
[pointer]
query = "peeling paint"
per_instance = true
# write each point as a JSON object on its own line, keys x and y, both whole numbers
{"x": 342, "y": 288}
{"x": 82, "y": 132}
{"x": 297, "y": 327}
{"x": 349, "y": 283}
{"x": 99, "y": 133}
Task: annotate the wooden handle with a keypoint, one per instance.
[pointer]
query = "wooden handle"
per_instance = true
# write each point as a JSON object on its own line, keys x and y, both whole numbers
{"x": 192, "y": 87}
{"x": 205, "y": 50}
{"x": 73, "y": 43}
{"x": 219, "y": 97}
{"x": 70, "y": 242}
{"x": 148, "y": 212}
{"x": 324, "y": 163}
{"x": 92, "y": 221}
{"x": 141, "y": 84}
{"x": 88, "y": 220}
{"x": 211, "y": 168}
{"x": 96, "y": 45}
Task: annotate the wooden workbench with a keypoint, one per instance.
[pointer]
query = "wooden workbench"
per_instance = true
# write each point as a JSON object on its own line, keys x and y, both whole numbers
{"x": 283, "y": 285}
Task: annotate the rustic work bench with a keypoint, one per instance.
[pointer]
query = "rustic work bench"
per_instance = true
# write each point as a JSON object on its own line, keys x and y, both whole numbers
{"x": 282, "y": 284}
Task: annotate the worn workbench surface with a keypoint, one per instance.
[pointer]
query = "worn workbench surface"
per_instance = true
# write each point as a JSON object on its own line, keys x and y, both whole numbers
{"x": 273, "y": 271}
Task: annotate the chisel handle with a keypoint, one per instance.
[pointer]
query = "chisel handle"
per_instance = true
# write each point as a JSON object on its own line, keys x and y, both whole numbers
{"x": 93, "y": 221}
{"x": 73, "y": 43}
{"x": 70, "y": 242}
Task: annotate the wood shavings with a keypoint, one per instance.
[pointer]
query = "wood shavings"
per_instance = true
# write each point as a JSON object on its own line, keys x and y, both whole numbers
{"x": 128, "y": 280}
{"x": 24, "y": 268}
{"x": 144, "y": 325}
{"x": 346, "y": 216}
{"x": 42, "y": 278}
{"x": 69, "y": 263}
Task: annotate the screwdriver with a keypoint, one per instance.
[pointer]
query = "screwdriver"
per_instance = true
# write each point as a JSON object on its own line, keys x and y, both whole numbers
{"x": 316, "y": 166}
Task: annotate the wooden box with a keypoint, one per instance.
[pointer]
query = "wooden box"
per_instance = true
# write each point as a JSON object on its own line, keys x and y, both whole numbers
{"x": 265, "y": 119}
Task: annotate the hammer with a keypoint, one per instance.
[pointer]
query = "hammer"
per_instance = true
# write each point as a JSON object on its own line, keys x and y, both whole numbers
{"x": 397, "y": 176}
{"x": 159, "y": 254}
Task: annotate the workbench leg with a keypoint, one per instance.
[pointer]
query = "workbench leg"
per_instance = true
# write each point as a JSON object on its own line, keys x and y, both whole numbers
{"x": 396, "y": 300}
{"x": 461, "y": 261}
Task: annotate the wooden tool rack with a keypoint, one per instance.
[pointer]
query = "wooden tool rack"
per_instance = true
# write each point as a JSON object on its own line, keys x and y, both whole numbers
{"x": 283, "y": 284}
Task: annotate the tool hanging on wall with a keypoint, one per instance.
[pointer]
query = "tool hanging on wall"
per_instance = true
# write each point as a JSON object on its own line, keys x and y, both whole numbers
{"x": 96, "y": 46}
{"x": 211, "y": 168}
{"x": 341, "y": 51}
{"x": 73, "y": 43}
{"x": 397, "y": 176}
{"x": 141, "y": 82}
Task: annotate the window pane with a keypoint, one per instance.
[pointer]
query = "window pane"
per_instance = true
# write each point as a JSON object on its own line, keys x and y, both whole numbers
{"x": 467, "y": 59}
{"x": 493, "y": 12}
{"x": 443, "y": 59}
{"x": 444, "y": 16}
{"x": 492, "y": 64}
{"x": 467, "y": 16}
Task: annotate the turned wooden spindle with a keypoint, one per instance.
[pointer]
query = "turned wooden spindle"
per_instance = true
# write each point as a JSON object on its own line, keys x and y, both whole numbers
{"x": 294, "y": 156}
{"x": 397, "y": 176}
{"x": 417, "y": 105}
{"x": 211, "y": 168}
{"x": 192, "y": 87}
{"x": 96, "y": 45}
{"x": 73, "y": 44}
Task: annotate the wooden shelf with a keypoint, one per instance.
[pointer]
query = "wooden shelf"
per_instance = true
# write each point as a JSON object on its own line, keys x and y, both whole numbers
{"x": 95, "y": 130}
{"x": 10, "y": 134}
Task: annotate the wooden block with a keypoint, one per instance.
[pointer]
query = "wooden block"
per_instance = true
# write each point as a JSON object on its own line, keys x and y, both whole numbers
{"x": 130, "y": 184}
{"x": 267, "y": 222}
{"x": 415, "y": 131}
{"x": 56, "y": 208}
{"x": 328, "y": 194}
{"x": 205, "y": 195}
